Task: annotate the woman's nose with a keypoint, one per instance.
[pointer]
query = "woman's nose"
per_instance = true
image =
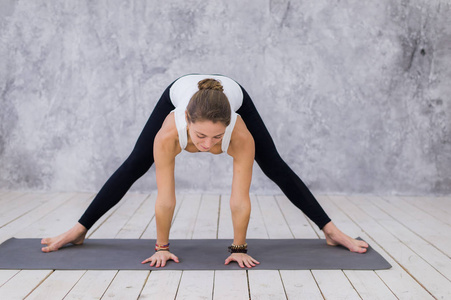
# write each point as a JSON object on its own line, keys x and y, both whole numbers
{"x": 208, "y": 143}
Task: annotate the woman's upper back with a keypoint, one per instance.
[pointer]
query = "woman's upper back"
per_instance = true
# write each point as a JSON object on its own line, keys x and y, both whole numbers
{"x": 185, "y": 87}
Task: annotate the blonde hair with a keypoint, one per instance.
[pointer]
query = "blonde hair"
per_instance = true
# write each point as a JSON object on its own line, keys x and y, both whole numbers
{"x": 209, "y": 103}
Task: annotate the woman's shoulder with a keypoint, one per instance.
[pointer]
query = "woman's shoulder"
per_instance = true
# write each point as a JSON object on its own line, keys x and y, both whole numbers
{"x": 241, "y": 139}
{"x": 167, "y": 137}
{"x": 240, "y": 130}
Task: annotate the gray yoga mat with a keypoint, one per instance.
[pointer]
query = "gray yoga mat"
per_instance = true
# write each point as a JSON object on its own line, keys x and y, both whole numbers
{"x": 127, "y": 254}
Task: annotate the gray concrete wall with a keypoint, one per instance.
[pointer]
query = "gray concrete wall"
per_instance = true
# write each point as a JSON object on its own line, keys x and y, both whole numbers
{"x": 355, "y": 93}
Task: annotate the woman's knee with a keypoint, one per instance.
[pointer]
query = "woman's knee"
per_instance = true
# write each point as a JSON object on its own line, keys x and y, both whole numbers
{"x": 137, "y": 164}
{"x": 271, "y": 165}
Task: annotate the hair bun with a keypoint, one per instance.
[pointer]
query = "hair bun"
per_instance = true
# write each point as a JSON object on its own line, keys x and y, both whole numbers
{"x": 210, "y": 84}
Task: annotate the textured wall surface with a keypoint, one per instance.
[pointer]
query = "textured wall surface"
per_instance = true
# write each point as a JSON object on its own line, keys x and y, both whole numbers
{"x": 357, "y": 94}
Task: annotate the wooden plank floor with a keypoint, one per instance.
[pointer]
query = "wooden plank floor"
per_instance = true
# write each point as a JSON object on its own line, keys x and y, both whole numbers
{"x": 412, "y": 233}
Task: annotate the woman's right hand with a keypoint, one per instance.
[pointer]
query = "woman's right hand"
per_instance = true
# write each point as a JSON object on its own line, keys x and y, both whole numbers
{"x": 160, "y": 258}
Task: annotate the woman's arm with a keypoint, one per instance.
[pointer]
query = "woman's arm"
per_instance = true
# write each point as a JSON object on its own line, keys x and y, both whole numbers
{"x": 165, "y": 203}
{"x": 240, "y": 203}
{"x": 242, "y": 149}
{"x": 165, "y": 150}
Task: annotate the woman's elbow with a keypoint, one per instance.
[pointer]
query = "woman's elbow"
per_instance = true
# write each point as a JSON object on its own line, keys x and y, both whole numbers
{"x": 165, "y": 204}
{"x": 242, "y": 204}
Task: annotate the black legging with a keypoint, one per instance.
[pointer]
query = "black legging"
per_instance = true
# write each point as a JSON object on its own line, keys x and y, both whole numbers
{"x": 266, "y": 155}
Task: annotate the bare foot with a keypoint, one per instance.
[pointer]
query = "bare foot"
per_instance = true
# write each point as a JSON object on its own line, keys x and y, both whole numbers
{"x": 75, "y": 235}
{"x": 335, "y": 237}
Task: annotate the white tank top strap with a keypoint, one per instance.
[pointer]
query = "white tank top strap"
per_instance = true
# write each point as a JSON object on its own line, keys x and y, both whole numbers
{"x": 180, "y": 123}
{"x": 228, "y": 132}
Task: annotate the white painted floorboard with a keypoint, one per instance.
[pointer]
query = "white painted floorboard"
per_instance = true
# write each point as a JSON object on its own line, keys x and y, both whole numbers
{"x": 412, "y": 233}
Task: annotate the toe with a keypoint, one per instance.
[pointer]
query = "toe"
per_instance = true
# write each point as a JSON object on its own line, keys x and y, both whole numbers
{"x": 362, "y": 244}
{"x": 359, "y": 250}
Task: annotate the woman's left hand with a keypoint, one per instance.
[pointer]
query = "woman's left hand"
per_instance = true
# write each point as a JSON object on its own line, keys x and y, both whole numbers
{"x": 242, "y": 259}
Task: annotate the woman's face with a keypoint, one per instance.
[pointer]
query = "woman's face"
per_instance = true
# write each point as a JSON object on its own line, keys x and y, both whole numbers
{"x": 206, "y": 134}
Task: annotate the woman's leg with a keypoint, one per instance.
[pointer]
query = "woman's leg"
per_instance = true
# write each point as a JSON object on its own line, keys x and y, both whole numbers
{"x": 136, "y": 165}
{"x": 276, "y": 169}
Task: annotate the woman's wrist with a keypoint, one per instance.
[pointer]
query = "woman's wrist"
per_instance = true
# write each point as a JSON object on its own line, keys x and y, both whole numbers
{"x": 161, "y": 247}
{"x": 242, "y": 248}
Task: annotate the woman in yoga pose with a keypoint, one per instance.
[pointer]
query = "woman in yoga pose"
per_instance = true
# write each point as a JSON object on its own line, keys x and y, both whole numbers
{"x": 204, "y": 113}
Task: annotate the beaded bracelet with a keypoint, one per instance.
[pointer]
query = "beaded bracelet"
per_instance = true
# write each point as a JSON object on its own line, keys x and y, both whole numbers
{"x": 238, "y": 248}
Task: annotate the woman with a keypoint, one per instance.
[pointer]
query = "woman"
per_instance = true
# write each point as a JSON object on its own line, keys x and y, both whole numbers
{"x": 204, "y": 113}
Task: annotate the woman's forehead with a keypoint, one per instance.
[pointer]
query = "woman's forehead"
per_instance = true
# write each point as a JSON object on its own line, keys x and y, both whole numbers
{"x": 208, "y": 128}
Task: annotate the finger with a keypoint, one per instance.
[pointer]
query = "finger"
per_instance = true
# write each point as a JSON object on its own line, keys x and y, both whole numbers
{"x": 164, "y": 260}
{"x": 253, "y": 260}
{"x": 152, "y": 261}
{"x": 228, "y": 260}
{"x": 149, "y": 259}
{"x": 174, "y": 258}
{"x": 248, "y": 264}
{"x": 158, "y": 263}
{"x": 241, "y": 263}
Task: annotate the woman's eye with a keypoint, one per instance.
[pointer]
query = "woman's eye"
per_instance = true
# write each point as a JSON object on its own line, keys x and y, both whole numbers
{"x": 201, "y": 137}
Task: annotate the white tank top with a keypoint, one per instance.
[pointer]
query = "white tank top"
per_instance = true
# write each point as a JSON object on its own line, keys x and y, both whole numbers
{"x": 185, "y": 87}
